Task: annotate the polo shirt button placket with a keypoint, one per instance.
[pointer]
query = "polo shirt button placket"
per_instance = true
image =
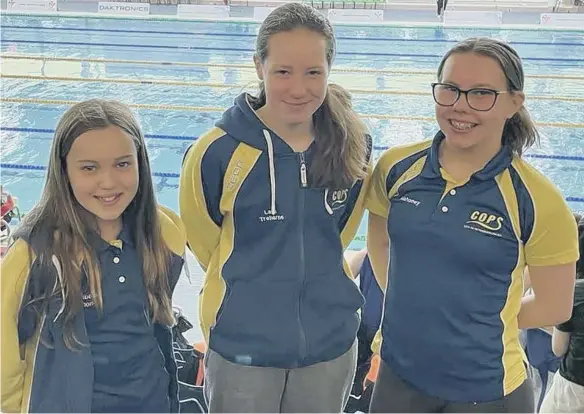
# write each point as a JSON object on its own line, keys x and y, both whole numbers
{"x": 121, "y": 278}
{"x": 445, "y": 209}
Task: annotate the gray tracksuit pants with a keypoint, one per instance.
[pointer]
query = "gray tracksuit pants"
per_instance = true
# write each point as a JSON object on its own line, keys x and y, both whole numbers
{"x": 319, "y": 388}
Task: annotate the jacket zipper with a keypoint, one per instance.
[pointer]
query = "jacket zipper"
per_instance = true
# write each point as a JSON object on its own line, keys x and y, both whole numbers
{"x": 304, "y": 184}
{"x": 303, "y": 179}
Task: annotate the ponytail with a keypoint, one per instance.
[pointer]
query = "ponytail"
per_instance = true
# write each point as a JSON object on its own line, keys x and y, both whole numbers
{"x": 520, "y": 132}
{"x": 341, "y": 148}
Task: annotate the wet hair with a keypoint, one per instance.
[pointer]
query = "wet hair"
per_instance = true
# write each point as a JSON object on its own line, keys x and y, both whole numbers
{"x": 520, "y": 132}
{"x": 66, "y": 226}
{"x": 341, "y": 150}
{"x": 580, "y": 263}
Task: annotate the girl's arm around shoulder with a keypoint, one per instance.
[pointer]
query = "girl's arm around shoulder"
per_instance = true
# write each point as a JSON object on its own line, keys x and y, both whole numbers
{"x": 14, "y": 275}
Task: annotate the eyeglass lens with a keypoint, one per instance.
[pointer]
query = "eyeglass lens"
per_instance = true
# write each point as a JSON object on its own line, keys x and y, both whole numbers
{"x": 478, "y": 99}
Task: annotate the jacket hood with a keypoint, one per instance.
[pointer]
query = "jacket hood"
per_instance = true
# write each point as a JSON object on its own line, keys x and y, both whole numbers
{"x": 243, "y": 124}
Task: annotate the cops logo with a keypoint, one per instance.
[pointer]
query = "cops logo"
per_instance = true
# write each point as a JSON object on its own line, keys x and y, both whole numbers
{"x": 338, "y": 198}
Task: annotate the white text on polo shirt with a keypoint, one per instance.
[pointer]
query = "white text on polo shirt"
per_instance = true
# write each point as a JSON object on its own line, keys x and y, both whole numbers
{"x": 410, "y": 200}
{"x": 485, "y": 220}
{"x": 87, "y": 300}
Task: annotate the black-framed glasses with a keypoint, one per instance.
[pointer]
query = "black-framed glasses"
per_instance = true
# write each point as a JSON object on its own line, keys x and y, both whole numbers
{"x": 479, "y": 99}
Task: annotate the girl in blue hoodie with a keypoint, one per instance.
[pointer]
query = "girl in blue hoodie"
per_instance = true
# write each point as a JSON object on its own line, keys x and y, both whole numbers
{"x": 277, "y": 189}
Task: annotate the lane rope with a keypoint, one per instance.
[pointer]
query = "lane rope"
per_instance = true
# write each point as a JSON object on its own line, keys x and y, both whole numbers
{"x": 189, "y": 138}
{"x": 244, "y": 86}
{"x": 32, "y": 167}
{"x": 222, "y": 109}
{"x": 250, "y": 66}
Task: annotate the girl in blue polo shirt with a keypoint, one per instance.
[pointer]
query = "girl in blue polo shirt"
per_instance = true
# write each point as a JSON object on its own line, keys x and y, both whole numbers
{"x": 466, "y": 215}
{"x": 86, "y": 287}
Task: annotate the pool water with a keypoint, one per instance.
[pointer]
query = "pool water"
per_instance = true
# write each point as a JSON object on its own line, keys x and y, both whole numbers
{"x": 192, "y": 70}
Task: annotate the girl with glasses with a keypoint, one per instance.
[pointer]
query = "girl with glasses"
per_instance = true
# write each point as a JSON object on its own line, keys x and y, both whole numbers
{"x": 466, "y": 216}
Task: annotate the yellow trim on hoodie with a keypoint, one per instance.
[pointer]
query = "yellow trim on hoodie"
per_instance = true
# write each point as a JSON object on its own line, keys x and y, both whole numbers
{"x": 15, "y": 383}
{"x": 202, "y": 232}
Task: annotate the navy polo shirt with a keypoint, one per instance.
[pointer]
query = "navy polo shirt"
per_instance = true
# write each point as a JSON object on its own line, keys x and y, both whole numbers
{"x": 457, "y": 258}
{"x": 129, "y": 368}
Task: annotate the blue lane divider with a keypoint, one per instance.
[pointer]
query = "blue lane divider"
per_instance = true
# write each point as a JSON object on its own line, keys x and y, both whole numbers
{"x": 251, "y": 35}
{"x": 52, "y": 131}
{"x": 43, "y": 168}
{"x": 193, "y": 138}
{"x": 170, "y": 175}
{"x": 229, "y": 49}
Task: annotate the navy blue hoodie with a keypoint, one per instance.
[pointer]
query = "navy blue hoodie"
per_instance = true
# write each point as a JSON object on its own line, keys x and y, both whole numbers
{"x": 278, "y": 292}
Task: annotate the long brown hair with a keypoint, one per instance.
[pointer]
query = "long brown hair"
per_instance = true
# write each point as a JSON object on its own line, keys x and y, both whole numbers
{"x": 65, "y": 224}
{"x": 520, "y": 132}
{"x": 340, "y": 136}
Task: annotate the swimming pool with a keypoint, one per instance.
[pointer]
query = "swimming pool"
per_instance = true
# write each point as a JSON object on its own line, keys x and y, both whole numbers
{"x": 181, "y": 74}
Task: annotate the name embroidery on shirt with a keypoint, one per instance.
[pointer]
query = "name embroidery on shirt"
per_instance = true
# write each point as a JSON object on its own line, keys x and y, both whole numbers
{"x": 87, "y": 300}
{"x": 409, "y": 200}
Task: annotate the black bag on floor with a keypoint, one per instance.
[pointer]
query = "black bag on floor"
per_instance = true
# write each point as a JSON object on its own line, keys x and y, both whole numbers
{"x": 189, "y": 362}
{"x": 191, "y": 399}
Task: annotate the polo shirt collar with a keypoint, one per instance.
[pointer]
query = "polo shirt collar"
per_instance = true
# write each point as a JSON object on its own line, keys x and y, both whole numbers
{"x": 123, "y": 238}
{"x": 501, "y": 161}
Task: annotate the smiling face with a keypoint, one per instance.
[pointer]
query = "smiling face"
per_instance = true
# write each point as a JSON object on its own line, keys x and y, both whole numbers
{"x": 295, "y": 74}
{"x": 466, "y": 128}
{"x": 102, "y": 168}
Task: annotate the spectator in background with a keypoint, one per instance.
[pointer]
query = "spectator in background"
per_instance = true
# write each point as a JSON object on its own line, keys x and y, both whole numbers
{"x": 367, "y": 362}
{"x": 441, "y": 6}
{"x": 542, "y": 362}
{"x": 566, "y": 394}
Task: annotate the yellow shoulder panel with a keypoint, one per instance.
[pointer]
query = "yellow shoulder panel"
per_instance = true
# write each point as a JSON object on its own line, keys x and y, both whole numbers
{"x": 14, "y": 277}
{"x": 554, "y": 238}
{"x": 202, "y": 232}
{"x": 174, "y": 232}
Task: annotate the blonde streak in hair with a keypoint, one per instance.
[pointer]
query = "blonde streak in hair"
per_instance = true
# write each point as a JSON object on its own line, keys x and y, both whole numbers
{"x": 65, "y": 247}
{"x": 71, "y": 244}
{"x": 166, "y": 314}
{"x": 156, "y": 260}
{"x": 337, "y": 110}
{"x": 354, "y": 130}
{"x": 157, "y": 286}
